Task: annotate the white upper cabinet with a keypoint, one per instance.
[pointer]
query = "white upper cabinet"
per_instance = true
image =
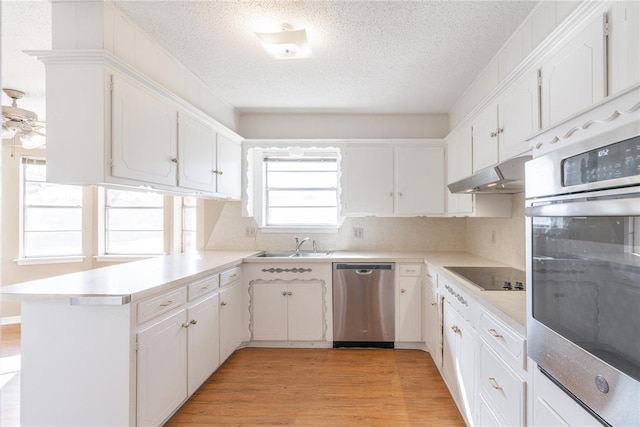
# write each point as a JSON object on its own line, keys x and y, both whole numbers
{"x": 143, "y": 135}
{"x": 420, "y": 179}
{"x": 208, "y": 161}
{"x": 575, "y": 77}
{"x": 624, "y": 66}
{"x": 518, "y": 117}
{"x": 368, "y": 180}
{"x": 228, "y": 167}
{"x": 390, "y": 180}
{"x": 485, "y": 138}
{"x": 197, "y": 154}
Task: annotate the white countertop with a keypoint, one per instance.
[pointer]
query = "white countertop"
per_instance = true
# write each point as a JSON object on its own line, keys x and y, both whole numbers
{"x": 135, "y": 280}
{"x": 139, "y": 279}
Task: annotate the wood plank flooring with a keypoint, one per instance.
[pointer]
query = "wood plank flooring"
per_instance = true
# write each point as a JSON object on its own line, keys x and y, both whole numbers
{"x": 318, "y": 387}
{"x": 305, "y": 387}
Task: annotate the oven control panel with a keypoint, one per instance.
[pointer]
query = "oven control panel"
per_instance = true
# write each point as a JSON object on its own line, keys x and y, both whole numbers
{"x": 613, "y": 161}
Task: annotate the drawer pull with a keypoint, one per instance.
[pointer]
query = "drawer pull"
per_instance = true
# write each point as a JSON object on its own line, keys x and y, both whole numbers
{"x": 193, "y": 321}
{"x": 223, "y": 303}
{"x": 494, "y": 333}
{"x": 166, "y": 303}
{"x": 402, "y": 291}
{"x": 232, "y": 276}
{"x": 455, "y": 328}
{"x": 429, "y": 276}
{"x": 434, "y": 304}
{"x": 186, "y": 324}
{"x": 204, "y": 288}
{"x": 289, "y": 293}
{"x": 494, "y": 383}
{"x": 284, "y": 293}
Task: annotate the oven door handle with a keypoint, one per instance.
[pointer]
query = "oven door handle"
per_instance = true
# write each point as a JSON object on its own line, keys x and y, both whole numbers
{"x": 603, "y": 207}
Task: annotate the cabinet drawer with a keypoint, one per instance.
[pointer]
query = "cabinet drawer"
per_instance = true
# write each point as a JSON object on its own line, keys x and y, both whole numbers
{"x": 507, "y": 343}
{"x": 413, "y": 270}
{"x": 203, "y": 287}
{"x": 230, "y": 276}
{"x": 501, "y": 387}
{"x": 161, "y": 304}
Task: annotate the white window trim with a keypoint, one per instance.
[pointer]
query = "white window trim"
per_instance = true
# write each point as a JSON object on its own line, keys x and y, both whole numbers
{"x": 49, "y": 260}
{"x": 255, "y": 189}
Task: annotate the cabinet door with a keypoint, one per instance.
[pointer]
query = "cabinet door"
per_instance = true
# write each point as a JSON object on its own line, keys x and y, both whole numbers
{"x": 269, "y": 311}
{"x": 518, "y": 117}
{"x": 161, "y": 369}
{"x": 143, "y": 135}
{"x": 409, "y": 298}
{"x": 450, "y": 344}
{"x": 197, "y": 155}
{"x": 230, "y": 320}
{"x": 228, "y": 167}
{"x": 368, "y": 180}
{"x": 459, "y": 165}
{"x": 485, "y": 138}
{"x": 419, "y": 180}
{"x": 624, "y": 44}
{"x": 432, "y": 325}
{"x": 575, "y": 77}
{"x": 305, "y": 310}
{"x": 203, "y": 341}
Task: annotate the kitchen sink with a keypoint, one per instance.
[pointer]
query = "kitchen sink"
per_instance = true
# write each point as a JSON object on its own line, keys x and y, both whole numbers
{"x": 301, "y": 254}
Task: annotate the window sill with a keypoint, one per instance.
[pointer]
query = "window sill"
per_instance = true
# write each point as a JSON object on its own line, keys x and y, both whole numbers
{"x": 302, "y": 229}
{"x": 49, "y": 260}
{"x": 122, "y": 258}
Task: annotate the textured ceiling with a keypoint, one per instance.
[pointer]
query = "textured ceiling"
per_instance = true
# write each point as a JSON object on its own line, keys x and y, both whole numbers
{"x": 368, "y": 56}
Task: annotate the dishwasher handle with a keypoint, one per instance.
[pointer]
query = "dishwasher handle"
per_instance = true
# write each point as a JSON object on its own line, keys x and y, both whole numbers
{"x": 363, "y": 272}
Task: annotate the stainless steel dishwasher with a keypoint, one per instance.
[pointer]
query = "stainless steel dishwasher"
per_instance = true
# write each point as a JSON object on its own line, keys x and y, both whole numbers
{"x": 363, "y": 305}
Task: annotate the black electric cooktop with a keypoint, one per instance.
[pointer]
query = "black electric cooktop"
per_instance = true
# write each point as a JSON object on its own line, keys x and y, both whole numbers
{"x": 492, "y": 278}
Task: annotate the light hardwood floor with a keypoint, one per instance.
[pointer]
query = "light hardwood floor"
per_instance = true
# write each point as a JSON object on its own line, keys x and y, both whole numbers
{"x": 306, "y": 387}
{"x": 319, "y": 387}
{"x": 9, "y": 377}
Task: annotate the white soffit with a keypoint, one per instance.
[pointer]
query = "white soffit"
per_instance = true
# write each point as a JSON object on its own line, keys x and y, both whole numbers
{"x": 395, "y": 57}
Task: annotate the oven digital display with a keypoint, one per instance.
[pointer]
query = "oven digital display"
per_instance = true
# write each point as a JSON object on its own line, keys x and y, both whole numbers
{"x": 618, "y": 160}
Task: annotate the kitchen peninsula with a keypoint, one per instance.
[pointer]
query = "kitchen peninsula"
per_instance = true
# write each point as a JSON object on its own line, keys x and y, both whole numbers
{"x": 92, "y": 340}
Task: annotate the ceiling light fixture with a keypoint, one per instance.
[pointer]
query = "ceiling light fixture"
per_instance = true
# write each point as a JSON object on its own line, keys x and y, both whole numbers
{"x": 288, "y": 43}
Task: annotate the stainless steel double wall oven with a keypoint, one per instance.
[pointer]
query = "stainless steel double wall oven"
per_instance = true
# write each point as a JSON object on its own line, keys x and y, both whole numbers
{"x": 583, "y": 272}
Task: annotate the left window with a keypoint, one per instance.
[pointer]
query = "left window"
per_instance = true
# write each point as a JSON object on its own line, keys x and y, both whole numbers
{"x": 51, "y": 220}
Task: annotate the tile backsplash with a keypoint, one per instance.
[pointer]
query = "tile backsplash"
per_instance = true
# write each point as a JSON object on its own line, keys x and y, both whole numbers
{"x": 387, "y": 235}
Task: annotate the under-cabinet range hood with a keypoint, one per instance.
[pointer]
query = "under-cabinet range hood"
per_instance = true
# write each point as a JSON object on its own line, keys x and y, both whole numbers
{"x": 504, "y": 178}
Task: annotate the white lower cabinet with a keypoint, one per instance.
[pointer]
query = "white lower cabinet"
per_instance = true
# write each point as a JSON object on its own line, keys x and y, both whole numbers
{"x": 203, "y": 341}
{"x": 553, "y": 407}
{"x": 230, "y": 319}
{"x": 432, "y": 324}
{"x": 287, "y": 311}
{"x": 501, "y": 388}
{"x": 161, "y": 369}
{"x": 459, "y": 359}
{"x": 409, "y": 303}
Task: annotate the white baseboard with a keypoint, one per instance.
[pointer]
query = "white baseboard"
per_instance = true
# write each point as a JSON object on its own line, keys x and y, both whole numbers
{"x": 10, "y": 320}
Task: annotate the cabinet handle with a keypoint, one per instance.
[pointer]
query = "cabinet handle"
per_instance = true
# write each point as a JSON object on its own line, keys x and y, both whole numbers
{"x": 216, "y": 172}
{"x": 193, "y": 321}
{"x": 223, "y": 303}
{"x": 219, "y": 172}
{"x": 455, "y": 328}
{"x": 391, "y": 194}
{"x": 429, "y": 276}
{"x": 174, "y": 160}
{"x": 166, "y": 303}
{"x": 494, "y": 333}
{"x": 232, "y": 276}
{"x": 434, "y": 304}
{"x": 494, "y": 383}
{"x": 402, "y": 291}
{"x": 284, "y": 293}
{"x": 289, "y": 293}
{"x": 400, "y": 194}
{"x": 186, "y": 324}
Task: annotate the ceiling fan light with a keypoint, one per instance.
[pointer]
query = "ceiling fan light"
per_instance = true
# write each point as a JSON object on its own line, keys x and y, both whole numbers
{"x": 8, "y": 132}
{"x": 32, "y": 140}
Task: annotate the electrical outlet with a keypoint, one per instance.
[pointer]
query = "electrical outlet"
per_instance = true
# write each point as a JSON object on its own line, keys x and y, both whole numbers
{"x": 493, "y": 236}
{"x": 358, "y": 232}
{"x": 249, "y": 232}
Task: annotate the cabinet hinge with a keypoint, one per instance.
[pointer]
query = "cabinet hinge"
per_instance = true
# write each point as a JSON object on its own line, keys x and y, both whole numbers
{"x": 137, "y": 344}
{"x": 539, "y": 78}
{"x": 606, "y": 26}
{"x": 111, "y": 84}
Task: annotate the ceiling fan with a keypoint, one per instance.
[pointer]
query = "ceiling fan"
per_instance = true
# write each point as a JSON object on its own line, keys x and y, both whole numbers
{"x": 22, "y": 124}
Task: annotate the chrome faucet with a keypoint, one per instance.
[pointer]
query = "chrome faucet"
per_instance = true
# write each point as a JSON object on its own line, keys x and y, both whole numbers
{"x": 299, "y": 243}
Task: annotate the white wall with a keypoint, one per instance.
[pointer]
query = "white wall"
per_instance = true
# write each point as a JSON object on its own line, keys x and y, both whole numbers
{"x": 330, "y": 126}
